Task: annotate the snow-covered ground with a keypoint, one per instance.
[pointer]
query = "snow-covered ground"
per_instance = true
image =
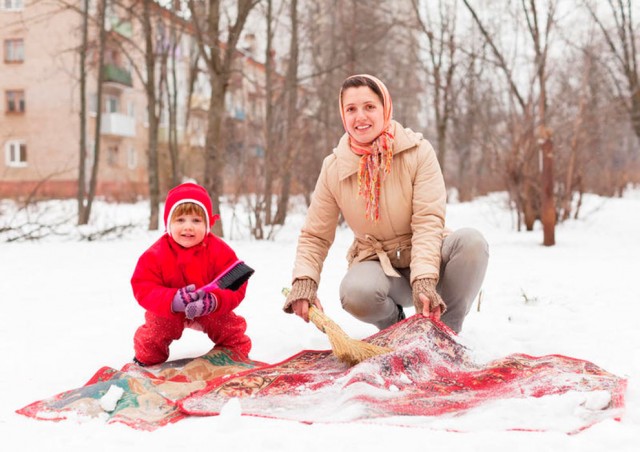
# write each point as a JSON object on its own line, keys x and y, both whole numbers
{"x": 68, "y": 310}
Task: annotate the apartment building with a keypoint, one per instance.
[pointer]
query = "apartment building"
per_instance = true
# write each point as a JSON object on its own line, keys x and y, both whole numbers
{"x": 40, "y": 110}
{"x": 40, "y": 115}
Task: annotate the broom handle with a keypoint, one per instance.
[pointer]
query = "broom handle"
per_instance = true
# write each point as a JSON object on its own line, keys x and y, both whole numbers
{"x": 318, "y": 318}
{"x": 322, "y": 321}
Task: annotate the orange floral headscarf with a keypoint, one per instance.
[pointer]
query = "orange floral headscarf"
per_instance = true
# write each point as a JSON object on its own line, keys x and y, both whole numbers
{"x": 376, "y": 157}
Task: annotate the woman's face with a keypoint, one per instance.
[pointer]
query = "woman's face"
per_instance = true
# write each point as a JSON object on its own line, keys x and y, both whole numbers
{"x": 363, "y": 114}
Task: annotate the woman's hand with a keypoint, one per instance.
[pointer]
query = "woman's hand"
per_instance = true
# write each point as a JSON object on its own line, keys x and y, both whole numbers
{"x": 301, "y": 308}
{"x": 427, "y": 311}
{"x": 426, "y": 298}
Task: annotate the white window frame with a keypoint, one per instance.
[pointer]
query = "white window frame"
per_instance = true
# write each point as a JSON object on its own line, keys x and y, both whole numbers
{"x": 111, "y": 102}
{"x": 16, "y": 98}
{"x": 12, "y": 153}
{"x": 13, "y": 53}
{"x": 11, "y": 5}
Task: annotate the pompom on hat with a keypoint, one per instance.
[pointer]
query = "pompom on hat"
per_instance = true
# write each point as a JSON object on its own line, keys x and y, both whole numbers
{"x": 189, "y": 192}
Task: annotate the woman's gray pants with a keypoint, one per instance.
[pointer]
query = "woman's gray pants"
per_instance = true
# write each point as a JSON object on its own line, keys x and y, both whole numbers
{"x": 371, "y": 296}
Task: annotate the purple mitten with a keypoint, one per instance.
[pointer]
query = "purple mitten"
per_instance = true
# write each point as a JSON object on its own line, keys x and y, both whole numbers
{"x": 183, "y": 297}
{"x": 203, "y": 306}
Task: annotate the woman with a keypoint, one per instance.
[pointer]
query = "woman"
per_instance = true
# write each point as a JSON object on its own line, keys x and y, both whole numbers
{"x": 387, "y": 183}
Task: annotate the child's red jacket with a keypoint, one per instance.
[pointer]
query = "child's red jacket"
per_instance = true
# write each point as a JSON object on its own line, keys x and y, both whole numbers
{"x": 166, "y": 267}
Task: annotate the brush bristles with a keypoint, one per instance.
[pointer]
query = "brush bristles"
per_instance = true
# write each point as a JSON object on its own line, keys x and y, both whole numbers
{"x": 235, "y": 277}
{"x": 346, "y": 349}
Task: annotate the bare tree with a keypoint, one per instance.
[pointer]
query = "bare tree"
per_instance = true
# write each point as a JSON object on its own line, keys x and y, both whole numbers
{"x": 148, "y": 55}
{"x": 473, "y": 132}
{"x": 268, "y": 167}
{"x": 291, "y": 93}
{"x": 82, "y": 163}
{"x": 218, "y": 54}
{"x": 152, "y": 113}
{"x": 540, "y": 37}
{"x": 169, "y": 63}
{"x": 530, "y": 130}
{"x": 442, "y": 65}
{"x": 621, "y": 42}
{"x": 572, "y": 174}
{"x": 85, "y": 205}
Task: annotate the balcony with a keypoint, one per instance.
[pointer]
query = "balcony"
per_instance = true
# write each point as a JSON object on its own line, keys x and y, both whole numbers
{"x": 116, "y": 74}
{"x": 119, "y": 125}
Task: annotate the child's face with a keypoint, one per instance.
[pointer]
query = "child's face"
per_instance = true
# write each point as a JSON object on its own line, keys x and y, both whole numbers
{"x": 188, "y": 229}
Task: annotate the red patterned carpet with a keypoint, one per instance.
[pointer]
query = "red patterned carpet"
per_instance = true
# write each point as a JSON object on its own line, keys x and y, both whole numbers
{"x": 429, "y": 375}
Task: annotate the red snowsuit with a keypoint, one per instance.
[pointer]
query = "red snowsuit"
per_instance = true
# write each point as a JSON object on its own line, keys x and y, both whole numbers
{"x": 166, "y": 267}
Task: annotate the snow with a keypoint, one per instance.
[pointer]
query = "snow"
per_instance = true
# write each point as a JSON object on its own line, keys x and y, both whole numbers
{"x": 68, "y": 310}
{"x": 109, "y": 401}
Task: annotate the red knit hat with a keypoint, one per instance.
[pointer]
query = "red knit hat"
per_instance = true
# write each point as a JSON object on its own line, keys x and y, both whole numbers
{"x": 189, "y": 192}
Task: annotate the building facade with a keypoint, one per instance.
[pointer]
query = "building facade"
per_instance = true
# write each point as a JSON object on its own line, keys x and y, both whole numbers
{"x": 40, "y": 117}
{"x": 41, "y": 102}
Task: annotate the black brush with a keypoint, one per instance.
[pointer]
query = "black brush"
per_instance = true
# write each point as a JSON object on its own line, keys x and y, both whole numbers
{"x": 232, "y": 278}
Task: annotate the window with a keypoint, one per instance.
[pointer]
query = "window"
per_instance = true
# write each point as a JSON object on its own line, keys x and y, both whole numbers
{"x": 15, "y": 153}
{"x": 15, "y": 101}
{"x": 132, "y": 158}
{"x": 131, "y": 109}
{"x": 14, "y": 50}
{"x": 112, "y": 104}
{"x": 12, "y": 5}
{"x": 112, "y": 155}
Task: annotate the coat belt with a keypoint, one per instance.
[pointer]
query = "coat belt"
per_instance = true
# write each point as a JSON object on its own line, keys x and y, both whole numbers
{"x": 375, "y": 245}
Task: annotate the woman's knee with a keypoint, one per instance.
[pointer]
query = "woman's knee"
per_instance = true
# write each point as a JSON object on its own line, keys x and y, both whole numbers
{"x": 357, "y": 297}
{"x": 471, "y": 243}
{"x": 362, "y": 288}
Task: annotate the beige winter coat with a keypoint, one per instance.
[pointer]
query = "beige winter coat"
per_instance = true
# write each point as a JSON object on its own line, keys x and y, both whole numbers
{"x": 412, "y": 211}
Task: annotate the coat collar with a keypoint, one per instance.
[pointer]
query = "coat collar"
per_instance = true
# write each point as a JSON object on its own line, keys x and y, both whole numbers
{"x": 348, "y": 162}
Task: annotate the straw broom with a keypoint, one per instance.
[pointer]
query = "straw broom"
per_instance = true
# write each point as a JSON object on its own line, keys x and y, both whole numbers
{"x": 348, "y": 350}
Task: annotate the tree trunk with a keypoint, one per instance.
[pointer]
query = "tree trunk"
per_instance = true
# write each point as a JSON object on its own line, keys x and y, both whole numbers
{"x": 292, "y": 115}
{"x": 83, "y": 113}
{"x": 548, "y": 213}
{"x": 172, "y": 103}
{"x": 150, "y": 88}
{"x": 214, "y": 158}
{"x": 219, "y": 61}
{"x": 270, "y": 132}
{"x": 93, "y": 182}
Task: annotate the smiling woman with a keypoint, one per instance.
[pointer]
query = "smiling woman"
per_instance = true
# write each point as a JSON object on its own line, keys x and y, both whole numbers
{"x": 363, "y": 114}
{"x": 386, "y": 182}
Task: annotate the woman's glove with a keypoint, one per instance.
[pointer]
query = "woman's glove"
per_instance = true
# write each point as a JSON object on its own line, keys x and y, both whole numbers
{"x": 183, "y": 297}
{"x": 206, "y": 304}
{"x": 302, "y": 295}
{"x": 301, "y": 289}
{"x": 427, "y": 287}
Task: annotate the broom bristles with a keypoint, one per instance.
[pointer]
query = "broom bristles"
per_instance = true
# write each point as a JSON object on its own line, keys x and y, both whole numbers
{"x": 346, "y": 349}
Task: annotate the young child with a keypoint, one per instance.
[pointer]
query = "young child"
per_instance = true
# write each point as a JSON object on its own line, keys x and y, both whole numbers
{"x": 168, "y": 274}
